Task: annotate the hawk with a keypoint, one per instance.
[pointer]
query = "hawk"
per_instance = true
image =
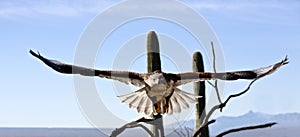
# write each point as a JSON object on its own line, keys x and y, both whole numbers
{"x": 159, "y": 92}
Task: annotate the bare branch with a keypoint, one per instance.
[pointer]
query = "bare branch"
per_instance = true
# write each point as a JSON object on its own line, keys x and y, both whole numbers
{"x": 217, "y": 91}
{"x": 211, "y": 84}
{"x": 211, "y": 111}
{"x": 130, "y": 125}
{"x": 134, "y": 124}
{"x": 222, "y": 105}
{"x": 178, "y": 133}
{"x": 246, "y": 128}
{"x": 187, "y": 131}
{"x": 202, "y": 127}
{"x": 180, "y": 130}
{"x": 215, "y": 71}
{"x": 214, "y": 56}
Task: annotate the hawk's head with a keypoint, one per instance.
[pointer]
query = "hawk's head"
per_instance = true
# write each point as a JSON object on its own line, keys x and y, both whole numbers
{"x": 156, "y": 79}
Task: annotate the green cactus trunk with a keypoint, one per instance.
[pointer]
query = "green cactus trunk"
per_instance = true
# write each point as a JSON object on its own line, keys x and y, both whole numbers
{"x": 153, "y": 55}
{"x": 153, "y": 64}
{"x": 199, "y": 89}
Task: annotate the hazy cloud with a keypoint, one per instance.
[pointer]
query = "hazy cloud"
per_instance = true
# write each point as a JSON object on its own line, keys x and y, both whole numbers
{"x": 14, "y": 8}
{"x": 268, "y": 11}
{"x": 254, "y": 10}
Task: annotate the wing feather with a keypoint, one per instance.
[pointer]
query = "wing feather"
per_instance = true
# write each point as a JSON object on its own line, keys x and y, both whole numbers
{"x": 184, "y": 78}
{"x": 126, "y": 77}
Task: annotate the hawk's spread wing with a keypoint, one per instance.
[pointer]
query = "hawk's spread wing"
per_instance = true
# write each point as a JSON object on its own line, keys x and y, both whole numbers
{"x": 122, "y": 76}
{"x": 184, "y": 78}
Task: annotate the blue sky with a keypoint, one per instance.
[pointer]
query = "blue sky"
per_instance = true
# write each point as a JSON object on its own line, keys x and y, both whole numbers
{"x": 253, "y": 34}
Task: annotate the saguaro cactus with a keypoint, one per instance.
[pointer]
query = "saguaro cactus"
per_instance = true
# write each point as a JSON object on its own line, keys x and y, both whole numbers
{"x": 153, "y": 56}
{"x": 153, "y": 64}
{"x": 199, "y": 89}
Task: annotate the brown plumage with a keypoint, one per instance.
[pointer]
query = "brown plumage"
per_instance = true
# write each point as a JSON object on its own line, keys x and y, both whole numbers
{"x": 159, "y": 93}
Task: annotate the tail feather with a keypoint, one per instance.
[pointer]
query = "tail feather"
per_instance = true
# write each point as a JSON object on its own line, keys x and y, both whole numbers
{"x": 163, "y": 105}
{"x": 128, "y": 97}
{"x": 160, "y": 106}
{"x": 176, "y": 105}
{"x": 191, "y": 98}
{"x": 180, "y": 99}
{"x": 134, "y": 103}
{"x": 141, "y": 103}
{"x": 138, "y": 100}
{"x": 148, "y": 107}
{"x": 170, "y": 108}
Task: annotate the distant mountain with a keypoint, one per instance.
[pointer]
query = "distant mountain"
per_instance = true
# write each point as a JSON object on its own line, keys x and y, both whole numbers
{"x": 289, "y": 120}
{"x": 288, "y": 125}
